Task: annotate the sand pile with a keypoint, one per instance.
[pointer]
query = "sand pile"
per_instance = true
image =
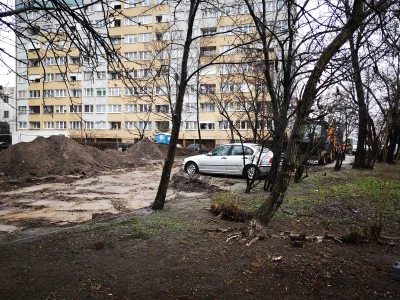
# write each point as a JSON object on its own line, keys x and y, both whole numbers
{"x": 146, "y": 149}
{"x": 57, "y": 155}
{"x": 196, "y": 183}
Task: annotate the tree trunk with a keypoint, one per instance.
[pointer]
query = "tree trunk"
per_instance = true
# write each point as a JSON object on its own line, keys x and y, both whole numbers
{"x": 176, "y": 117}
{"x": 275, "y": 199}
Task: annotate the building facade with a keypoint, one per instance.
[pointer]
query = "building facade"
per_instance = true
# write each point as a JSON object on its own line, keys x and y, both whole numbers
{"x": 114, "y": 75}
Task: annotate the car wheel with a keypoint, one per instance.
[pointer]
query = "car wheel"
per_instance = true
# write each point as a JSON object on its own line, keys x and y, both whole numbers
{"x": 191, "y": 168}
{"x": 251, "y": 171}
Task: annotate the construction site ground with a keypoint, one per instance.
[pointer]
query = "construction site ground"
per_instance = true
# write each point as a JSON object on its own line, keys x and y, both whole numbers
{"x": 75, "y": 223}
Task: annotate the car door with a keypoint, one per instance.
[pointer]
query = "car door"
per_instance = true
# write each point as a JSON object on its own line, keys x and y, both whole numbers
{"x": 215, "y": 161}
{"x": 236, "y": 160}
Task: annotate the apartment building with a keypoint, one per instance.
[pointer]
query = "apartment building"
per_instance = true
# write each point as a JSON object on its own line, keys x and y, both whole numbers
{"x": 121, "y": 83}
{"x": 7, "y": 114}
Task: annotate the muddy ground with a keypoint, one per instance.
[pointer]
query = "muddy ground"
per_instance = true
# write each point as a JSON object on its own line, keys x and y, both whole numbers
{"x": 85, "y": 236}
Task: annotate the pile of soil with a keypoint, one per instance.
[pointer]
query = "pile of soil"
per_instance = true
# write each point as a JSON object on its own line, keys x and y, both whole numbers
{"x": 179, "y": 152}
{"x": 196, "y": 183}
{"x": 57, "y": 155}
{"x": 146, "y": 149}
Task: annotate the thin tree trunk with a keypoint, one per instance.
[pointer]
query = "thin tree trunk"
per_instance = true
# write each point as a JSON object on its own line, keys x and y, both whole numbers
{"x": 176, "y": 117}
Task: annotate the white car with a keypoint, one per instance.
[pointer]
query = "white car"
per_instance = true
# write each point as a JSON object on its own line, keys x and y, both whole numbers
{"x": 231, "y": 159}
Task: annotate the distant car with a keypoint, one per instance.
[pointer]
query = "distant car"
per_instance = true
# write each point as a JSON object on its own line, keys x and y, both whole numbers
{"x": 231, "y": 159}
{"x": 198, "y": 148}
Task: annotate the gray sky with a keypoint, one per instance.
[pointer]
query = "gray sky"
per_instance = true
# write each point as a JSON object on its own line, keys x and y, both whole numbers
{"x": 7, "y": 42}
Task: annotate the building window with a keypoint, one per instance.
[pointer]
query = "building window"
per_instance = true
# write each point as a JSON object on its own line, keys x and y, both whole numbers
{"x": 75, "y": 125}
{"x": 223, "y": 125}
{"x": 130, "y": 125}
{"x": 22, "y": 110}
{"x": 246, "y": 28}
{"x": 162, "y": 125}
{"x": 22, "y": 94}
{"x": 145, "y": 125}
{"x": 75, "y": 93}
{"x": 61, "y": 60}
{"x": 161, "y": 90}
{"x": 130, "y": 56}
{"x": 88, "y": 92}
{"x": 48, "y": 93}
{"x": 22, "y": 63}
{"x": 130, "y": 91}
{"x": 114, "y": 91}
{"x": 61, "y": 109}
{"x": 130, "y": 21}
{"x": 101, "y": 75}
{"x": 75, "y": 108}
{"x": 146, "y": 2}
{"x": 207, "y": 107}
{"x": 100, "y": 108}
{"x": 6, "y": 114}
{"x": 115, "y": 40}
{"x": 145, "y": 55}
{"x": 162, "y": 108}
{"x": 207, "y": 88}
{"x": 88, "y": 108}
{"x": 207, "y": 125}
{"x": 145, "y": 73}
{"x": 48, "y": 109}
{"x": 226, "y": 30}
{"x": 34, "y": 94}
{"x": 226, "y": 50}
{"x": 209, "y": 13}
{"x": 21, "y": 80}
{"x": 49, "y": 77}
{"x": 130, "y": 39}
{"x": 244, "y": 125}
{"x": 228, "y": 106}
{"x": 115, "y": 125}
{"x": 143, "y": 20}
{"x": 100, "y": 125}
{"x": 145, "y": 108}
{"x": 130, "y": 108}
{"x": 34, "y": 125}
{"x": 89, "y": 125}
{"x": 191, "y": 125}
{"x": 48, "y": 61}
{"x": 48, "y": 125}
{"x": 145, "y": 37}
{"x": 226, "y": 69}
{"x": 101, "y": 92}
{"x": 61, "y": 125}
{"x": 61, "y": 93}
{"x": 22, "y": 125}
{"x": 61, "y": 76}
{"x": 209, "y": 32}
{"x": 130, "y": 3}
{"x": 227, "y": 88}
{"x": 114, "y": 108}
{"x": 87, "y": 75}
{"x": 208, "y": 51}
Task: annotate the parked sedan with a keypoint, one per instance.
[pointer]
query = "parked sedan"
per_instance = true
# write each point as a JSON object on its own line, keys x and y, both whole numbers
{"x": 231, "y": 159}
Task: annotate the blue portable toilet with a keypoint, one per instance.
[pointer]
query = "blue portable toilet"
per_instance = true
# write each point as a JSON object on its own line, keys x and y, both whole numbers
{"x": 163, "y": 138}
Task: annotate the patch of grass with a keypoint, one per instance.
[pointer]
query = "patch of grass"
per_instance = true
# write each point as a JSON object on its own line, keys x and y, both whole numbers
{"x": 166, "y": 223}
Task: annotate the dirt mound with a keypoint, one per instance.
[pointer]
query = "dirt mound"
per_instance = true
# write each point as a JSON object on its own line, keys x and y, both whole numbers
{"x": 146, "y": 149}
{"x": 179, "y": 152}
{"x": 56, "y": 155}
{"x": 192, "y": 183}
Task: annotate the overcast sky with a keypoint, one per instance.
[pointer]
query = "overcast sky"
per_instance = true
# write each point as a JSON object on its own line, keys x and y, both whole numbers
{"x": 7, "y": 43}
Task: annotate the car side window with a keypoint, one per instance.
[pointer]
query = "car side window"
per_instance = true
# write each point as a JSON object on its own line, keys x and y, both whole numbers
{"x": 237, "y": 150}
{"x": 221, "y": 151}
{"x": 248, "y": 151}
